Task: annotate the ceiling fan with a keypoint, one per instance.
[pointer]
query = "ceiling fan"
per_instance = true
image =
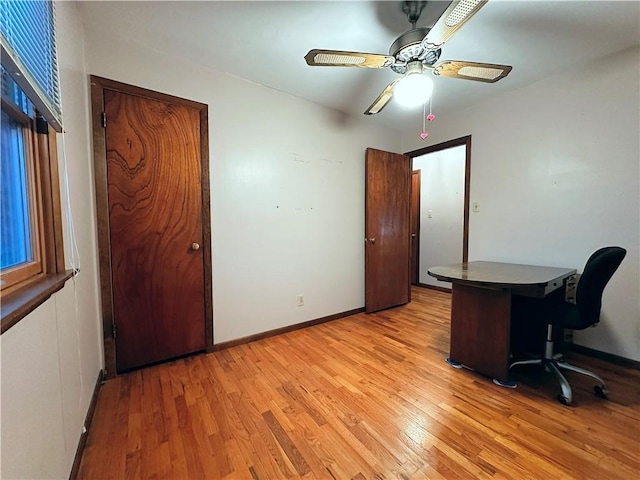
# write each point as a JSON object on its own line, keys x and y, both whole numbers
{"x": 415, "y": 52}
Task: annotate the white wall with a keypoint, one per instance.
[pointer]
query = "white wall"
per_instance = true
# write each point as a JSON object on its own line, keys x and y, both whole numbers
{"x": 287, "y": 190}
{"x": 51, "y": 358}
{"x": 441, "y": 209}
{"x": 555, "y": 169}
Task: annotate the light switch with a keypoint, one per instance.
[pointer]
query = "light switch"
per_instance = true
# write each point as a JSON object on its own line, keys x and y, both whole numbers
{"x": 476, "y": 207}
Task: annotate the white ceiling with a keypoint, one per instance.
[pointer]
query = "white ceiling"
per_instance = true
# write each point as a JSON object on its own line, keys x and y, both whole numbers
{"x": 266, "y": 41}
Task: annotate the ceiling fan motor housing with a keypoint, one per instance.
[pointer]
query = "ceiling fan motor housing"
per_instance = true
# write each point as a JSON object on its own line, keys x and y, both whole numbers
{"x": 407, "y": 47}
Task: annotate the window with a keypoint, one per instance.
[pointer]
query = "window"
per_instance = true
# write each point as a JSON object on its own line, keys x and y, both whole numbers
{"x": 15, "y": 229}
{"x": 31, "y": 253}
{"x": 20, "y": 219}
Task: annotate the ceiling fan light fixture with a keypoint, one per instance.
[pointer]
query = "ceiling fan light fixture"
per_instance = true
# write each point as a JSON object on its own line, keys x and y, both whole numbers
{"x": 415, "y": 88}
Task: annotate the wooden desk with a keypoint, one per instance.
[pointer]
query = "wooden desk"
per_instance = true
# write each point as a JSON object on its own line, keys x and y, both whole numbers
{"x": 481, "y": 308}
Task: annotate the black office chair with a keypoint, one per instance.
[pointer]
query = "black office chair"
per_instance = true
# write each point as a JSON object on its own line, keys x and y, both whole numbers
{"x": 598, "y": 270}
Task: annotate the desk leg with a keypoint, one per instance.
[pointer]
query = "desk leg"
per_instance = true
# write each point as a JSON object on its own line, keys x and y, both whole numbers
{"x": 480, "y": 329}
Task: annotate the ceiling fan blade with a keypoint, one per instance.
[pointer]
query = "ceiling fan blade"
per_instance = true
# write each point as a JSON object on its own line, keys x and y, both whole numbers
{"x": 454, "y": 17}
{"x": 481, "y": 72}
{"x": 382, "y": 100}
{"x": 339, "y": 58}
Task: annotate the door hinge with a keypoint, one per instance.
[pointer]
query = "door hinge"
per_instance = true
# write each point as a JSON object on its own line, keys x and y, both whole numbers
{"x": 113, "y": 330}
{"x": 103, "y": 119}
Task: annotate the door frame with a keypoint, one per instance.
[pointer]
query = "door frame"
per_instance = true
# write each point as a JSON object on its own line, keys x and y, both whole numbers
{"x": 417, "y": 173}
{"x": 466, "y": 140}
{"x": 98, "y": 86}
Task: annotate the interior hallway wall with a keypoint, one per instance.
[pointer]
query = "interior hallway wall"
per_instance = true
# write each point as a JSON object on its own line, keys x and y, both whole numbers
{"x": 441, "y": 210}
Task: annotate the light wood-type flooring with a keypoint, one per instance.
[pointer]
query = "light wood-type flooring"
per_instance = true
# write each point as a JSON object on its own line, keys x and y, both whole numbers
{"x": 363, "y": 397}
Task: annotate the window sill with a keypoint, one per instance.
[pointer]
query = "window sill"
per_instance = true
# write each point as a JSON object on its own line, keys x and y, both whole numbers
{"x": 17, "y": 305}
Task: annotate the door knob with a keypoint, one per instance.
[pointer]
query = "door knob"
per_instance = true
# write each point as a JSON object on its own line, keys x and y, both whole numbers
{"x": 372, "y": 240}
{"x": 413, "y": 235}
{"x": 195, "y": 246}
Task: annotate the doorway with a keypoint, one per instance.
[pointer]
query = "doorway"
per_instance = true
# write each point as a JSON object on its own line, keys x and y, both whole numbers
{"x": 152, "y": 200}
{"x": 443, "y": 223}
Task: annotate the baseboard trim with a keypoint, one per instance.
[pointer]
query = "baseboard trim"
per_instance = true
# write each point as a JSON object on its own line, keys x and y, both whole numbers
{"x": 87, "y": 424}
{"x": 609, "y": 357}
{"x": 433, "y": 287}
{"x": 280, "y": 331}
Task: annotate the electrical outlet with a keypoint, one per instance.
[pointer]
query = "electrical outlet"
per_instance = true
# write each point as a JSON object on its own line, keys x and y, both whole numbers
{"x": 300, "y": 300}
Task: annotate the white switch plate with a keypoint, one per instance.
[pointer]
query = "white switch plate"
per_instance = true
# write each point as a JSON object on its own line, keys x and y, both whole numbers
{"x": 476, "y": 207}
{"x": 300, "y": 300}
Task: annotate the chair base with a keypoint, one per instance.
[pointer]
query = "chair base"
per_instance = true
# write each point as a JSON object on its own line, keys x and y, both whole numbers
{"x": 555, "y": 364}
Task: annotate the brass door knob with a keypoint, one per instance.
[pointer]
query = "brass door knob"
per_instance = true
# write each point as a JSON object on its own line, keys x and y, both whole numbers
{"x": 195, "y": 246}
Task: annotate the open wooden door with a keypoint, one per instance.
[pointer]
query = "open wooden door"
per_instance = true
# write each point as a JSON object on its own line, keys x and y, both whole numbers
{"x": 387, "y": 230}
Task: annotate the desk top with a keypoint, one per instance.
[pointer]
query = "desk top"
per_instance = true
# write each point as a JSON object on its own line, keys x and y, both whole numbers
{"x": 505, "y": 275}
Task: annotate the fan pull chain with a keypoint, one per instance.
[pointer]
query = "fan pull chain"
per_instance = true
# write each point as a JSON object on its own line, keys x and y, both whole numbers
{"x": 424, "y": 133}
{"x": 426, "y": 118}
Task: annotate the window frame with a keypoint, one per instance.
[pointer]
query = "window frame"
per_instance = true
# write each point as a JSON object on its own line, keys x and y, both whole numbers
{"x": 23, "y": 37}
{"x": 12, "y": 276}
{"x": 30, "y": 284}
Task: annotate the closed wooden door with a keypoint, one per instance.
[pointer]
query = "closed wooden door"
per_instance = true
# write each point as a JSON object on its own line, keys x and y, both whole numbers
{"x": 415, "y": 227}
{"x": 155, "y": 224}
{"x": 387, "y": 229}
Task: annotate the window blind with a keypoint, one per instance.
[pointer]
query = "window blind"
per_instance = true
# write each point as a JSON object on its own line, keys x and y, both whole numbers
{"x": 28, "y": 40}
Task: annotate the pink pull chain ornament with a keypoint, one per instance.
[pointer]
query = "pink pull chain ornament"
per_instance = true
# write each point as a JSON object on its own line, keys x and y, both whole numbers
{"x": 426, "y": 118}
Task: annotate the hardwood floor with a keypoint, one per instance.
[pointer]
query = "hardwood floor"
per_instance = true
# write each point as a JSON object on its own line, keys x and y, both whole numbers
{"x": 364, "y": 397}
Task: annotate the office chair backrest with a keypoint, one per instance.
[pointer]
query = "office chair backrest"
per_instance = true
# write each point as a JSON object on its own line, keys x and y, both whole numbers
{"x": 598, "y": 270}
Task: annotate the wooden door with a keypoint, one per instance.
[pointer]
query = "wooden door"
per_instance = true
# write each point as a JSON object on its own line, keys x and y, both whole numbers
{"x": 153, "y": 171}
{"x": 415, "y": 227}
{"x": 387, "y": 229}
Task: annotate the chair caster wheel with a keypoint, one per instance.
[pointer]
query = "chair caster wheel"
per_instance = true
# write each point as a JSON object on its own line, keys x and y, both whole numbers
{"x": 600, "y": 392}
{"x": 564, "y": 401}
